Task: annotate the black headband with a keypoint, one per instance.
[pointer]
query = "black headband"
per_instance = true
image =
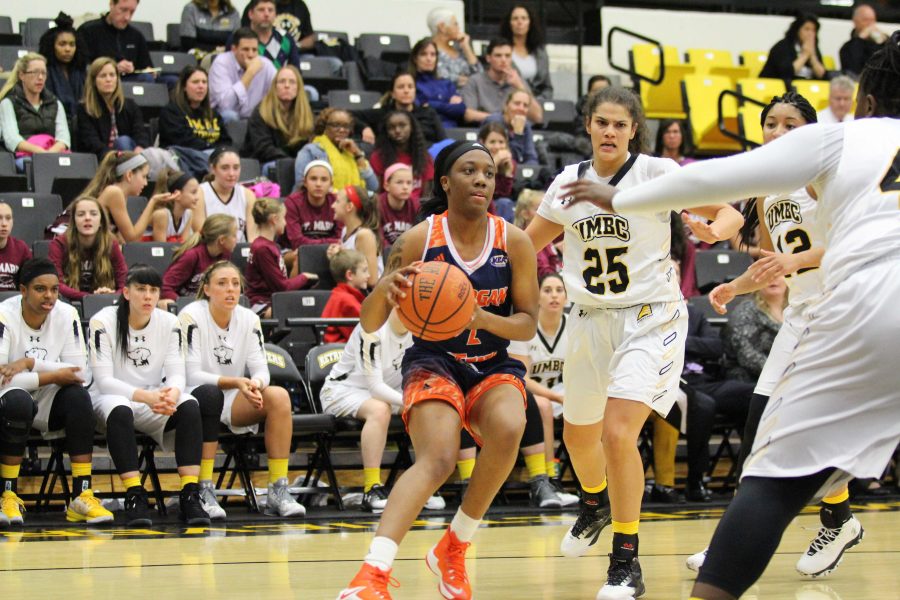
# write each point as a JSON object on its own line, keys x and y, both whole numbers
{"x": 179, "y": 183}
{"x": 455, "y": 151}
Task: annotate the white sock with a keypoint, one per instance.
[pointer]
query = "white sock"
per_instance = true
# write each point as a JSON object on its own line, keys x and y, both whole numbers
{"x": 382, "y": 552}
{"x": 464, "y": 526}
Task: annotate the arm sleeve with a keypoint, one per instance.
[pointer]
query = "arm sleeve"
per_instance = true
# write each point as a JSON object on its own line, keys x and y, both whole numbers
{"x": 193, "y": 362}
{"x": 786, "y": 164}
{"x": 188, "y": 28}
{"x": 370, "y": 179}
{"x": 143, "y": 54}
{"x": 178, "y": 273}
{"x": 9, "y": 126}
{"x": 62, "y": 126}
{"x": 57, "y": 255}
{"x": 541, "y": 85}
{"x": 469, "y": 95}
{"x": 102, "y": 364}
{"x": 267, "y": 264}
{"x": 27, "y": 380}
{"x": 88, "y": 136}
{"x": 256, "y": 356}
{"x": 370, "y": 358}
{"x": 225, "y": 94}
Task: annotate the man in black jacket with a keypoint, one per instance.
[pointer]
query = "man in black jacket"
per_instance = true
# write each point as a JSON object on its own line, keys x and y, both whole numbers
{"x": 865, "y": 40}
{"x": 113, "y": 35}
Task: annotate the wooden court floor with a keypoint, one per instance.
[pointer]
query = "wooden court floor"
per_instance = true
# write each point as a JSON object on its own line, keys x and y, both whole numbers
{"x": 513, "y": 557}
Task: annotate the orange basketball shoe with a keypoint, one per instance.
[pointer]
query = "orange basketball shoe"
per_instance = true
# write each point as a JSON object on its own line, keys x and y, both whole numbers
{"x": 448, "y": 561}
{"x": 370, "y": 583}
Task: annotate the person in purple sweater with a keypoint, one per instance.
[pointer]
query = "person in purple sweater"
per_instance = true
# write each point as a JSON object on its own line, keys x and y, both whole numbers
{"x": 213, "y": 243}
{"x": 266, "y": 272}
{"x": 310, "y": 216}
{"x": 13, "y": 252}
{"x": 87, "y": 257}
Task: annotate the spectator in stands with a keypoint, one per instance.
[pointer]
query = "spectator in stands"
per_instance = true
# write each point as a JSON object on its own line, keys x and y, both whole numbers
{"x": 214, "y": 242}
{"x": 277, "y": 47}
{"x": 796, "y": 55}
{"x": 487, "y": 91}
{"x": 175, "y": 218}
{"x": 32, "y": 119}
{"x": 120, "y": 175}
{"x": 397, "y": 208}
{"x": 402, "y": 96}
{"x": 549, "y": 258}
{"x": 494, "y": 137}
{"x": 515, "y": 117}
{"x": 671, "y": 142}
{"x": 239, "y": 79}
{"x": 434, "y": 91}
{"x": 88, "y": 257}
{"x": 224, "y": 346}
{"x": 113, "y": 35}
{"x": 366, "y": 386}
{"x": 456, "y": 59}
{"x": 293, "y": 19}
{"x": 310, "y": 212}
{"x": 13, "y": 251}
{"x": 107, "y": 120}
{"x": 282, "y": 123}
{"x": 840, "y": 101}
{"x": 223, "y": 192}
{"x": 529, "y": 55}
{"x": 65, "y": 63}
{"x": 399, "y": 140}
{"x": 266, "y": 272}
{"x": 206, "y": 25}
{"x": 188, "y": 125}
{"x": 333, "y": 145}
{"x": 350, "y": 270}
{"x": 752, "y": 329}
{"x": 358, "y": 213}
{"x": 865, "y": 40}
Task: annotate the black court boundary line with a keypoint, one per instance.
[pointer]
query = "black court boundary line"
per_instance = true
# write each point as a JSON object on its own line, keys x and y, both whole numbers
{"x": 351, "y": 560}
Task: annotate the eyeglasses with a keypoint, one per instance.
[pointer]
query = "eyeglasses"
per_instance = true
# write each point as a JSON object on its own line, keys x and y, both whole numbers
{"x": 346, "y": 126}
{"x": 36, "y": 73}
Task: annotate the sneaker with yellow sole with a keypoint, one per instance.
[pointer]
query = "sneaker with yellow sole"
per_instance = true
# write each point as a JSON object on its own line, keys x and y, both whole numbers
{"x": 12, "y": 507}
{"x": 86, "y": 508}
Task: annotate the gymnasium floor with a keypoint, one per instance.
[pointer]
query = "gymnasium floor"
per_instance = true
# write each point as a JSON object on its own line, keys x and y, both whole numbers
{"x": 515, "y": 556}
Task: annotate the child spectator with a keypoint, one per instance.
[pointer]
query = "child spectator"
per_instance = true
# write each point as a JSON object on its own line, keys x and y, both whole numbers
{"x": 88, "y": 257}
{"x": 400, "y": 140}
{"x": 310, "y": 211}
{"x": 13, "y": 251}
{"x": 120, "y": 175}
{"x": 356, "y": 210}
{"x": 177, "y": 218}
{"x": 266, "y": 272}
{"x": 351, "y": 272}
{"x": 214, "y": 242}
{"x": 223, "y": 192}
{"x": 396, "y": 208}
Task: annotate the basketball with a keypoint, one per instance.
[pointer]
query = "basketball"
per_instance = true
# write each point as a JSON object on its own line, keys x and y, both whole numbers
{"x": 440, "y": 303}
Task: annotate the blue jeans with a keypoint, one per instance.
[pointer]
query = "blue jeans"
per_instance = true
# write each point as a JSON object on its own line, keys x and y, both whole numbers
{"x": 124, "y": 143}
{"x": 229, "y": 116}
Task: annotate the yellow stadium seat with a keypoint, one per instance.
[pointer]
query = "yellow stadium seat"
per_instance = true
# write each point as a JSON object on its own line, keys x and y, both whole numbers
{"x": 814, "y": 91}
{"x": 748, "y": 121}
{"x": 703, "y": 59}
{"x": 661, "y": 101}
{"x": 732, "y": 73}
{"x": 761, "y": 89}
{"x": 828, "y": 62}
{"x": 701, "y": 102}
{"x": 754, "y": 60}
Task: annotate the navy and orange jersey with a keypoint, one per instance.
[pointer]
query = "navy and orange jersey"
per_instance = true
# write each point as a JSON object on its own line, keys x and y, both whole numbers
{"x": 491, "y": 277}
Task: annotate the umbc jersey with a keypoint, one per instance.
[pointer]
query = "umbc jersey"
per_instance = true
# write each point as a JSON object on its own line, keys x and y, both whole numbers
{"x": 491, "y": 277}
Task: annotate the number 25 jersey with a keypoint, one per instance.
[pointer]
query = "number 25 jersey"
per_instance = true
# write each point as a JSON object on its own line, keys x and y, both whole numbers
{"x": 609, "y": 259}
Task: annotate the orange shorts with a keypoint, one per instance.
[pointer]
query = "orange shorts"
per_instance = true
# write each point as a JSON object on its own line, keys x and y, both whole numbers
{"x": 424, "y": 385}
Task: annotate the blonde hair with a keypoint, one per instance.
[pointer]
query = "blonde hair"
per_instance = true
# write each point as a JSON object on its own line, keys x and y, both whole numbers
{"x": 208, "y": 273}
{"x": 104, "y": 275}
{"x": 345, "y": 260}
{"x": 295, "y": 124}
{"x": 93, "y": 99}
{"x": 18, "y": 70}
{"x": 106, "y": 172}
{"x": 214, "y": 227}
{"x": 528, "y": 199}
{"x": 761, "y": 304}
{"x": 264, "y": 208}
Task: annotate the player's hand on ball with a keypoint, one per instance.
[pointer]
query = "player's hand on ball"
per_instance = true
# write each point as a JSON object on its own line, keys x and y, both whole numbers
{"x": 478, "y": 318}
{"x": 720, "y": 296}
{"x": 598, "y": 194}
{"x": 398, "y": 283}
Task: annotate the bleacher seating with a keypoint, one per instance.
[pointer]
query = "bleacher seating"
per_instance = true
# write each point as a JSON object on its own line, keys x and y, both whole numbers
{"x": 813, "y": 90}
{"x": 135, "y": 206}
{"x": 761, "y": 89}
{"x": 32, "y": 29}
{"x": 10, "y": 54}
{"x": 151, "y": 97}
{"x": 663, "y": 100}
{"x": 718, "y": 266}
{"x": 754, "y": 60}
{"x": 172, "y": 62}
{"x": 250, "y": 169}
{"x": 63, "y": 174}
{"x": 748, "y": 123}
{"x": 701, "y": 96}
{"x": 31, "y": 213}
{"x": 318, "y": 72}
{"x": 352, "y": 100}
{"x": 312, "y": 259}
{"x": 155, "y": 254}
{"x": 559, "y": 115}
{"x": 237, "y": 131}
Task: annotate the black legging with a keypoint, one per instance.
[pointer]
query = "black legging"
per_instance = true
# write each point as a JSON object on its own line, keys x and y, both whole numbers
{"x": 122, "y": 444}
{"x": 211, "y": 400}
{"x": 15, "y": 449}
{"x": 72, "y": 410}
{"x": 738, "y": 553}
{"x": 534, "y": 427}
{"x": 754, "y": 416}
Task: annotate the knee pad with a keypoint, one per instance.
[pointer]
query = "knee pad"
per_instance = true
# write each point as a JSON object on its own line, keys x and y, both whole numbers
{"x": 17, "y": 411}
{"x": 120, "y": 416}
{"x": 211, "y": 400}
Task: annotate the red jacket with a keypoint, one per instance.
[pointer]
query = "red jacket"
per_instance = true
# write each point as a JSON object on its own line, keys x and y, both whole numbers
{"x": 182, "y": 278}
{"x": 58, "y": 254}
{"x": 266, "y": 274}
{"x": 345, "y": 302}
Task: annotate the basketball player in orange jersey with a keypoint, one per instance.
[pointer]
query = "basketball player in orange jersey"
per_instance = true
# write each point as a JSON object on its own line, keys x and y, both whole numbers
{"x": 468, "y": 381}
